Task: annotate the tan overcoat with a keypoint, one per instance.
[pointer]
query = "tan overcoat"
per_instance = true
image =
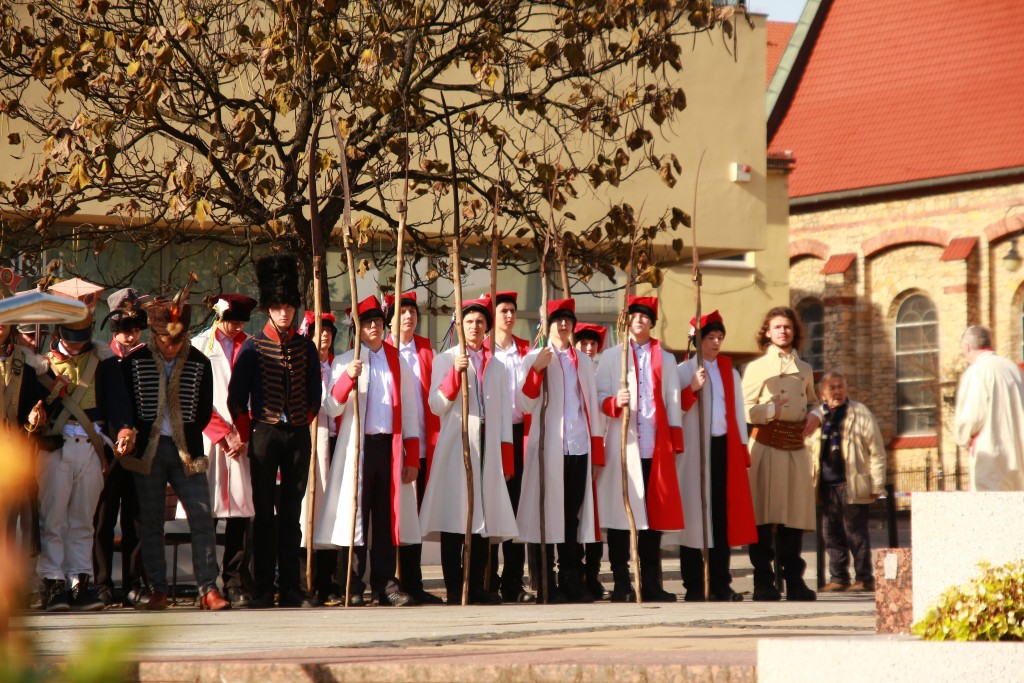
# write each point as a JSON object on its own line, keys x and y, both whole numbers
{"x": 780, "y": 481}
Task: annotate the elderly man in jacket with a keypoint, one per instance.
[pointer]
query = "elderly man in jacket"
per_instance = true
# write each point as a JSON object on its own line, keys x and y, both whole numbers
{"x": 849, "y": 467}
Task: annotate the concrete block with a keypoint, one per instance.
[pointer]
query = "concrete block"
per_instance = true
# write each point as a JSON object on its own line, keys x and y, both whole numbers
{"x": 894, "y": 591}
{"x": 885, "y": 658}
{"x": 953, "y": 532}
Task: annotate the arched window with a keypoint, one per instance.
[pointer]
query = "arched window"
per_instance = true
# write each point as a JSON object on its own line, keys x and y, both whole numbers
{"x": 812, "y": 316}
{"x": 917, "y": 366}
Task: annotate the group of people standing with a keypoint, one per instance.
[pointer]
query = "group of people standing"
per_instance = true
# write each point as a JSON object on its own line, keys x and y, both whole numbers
{"x": 226, "y": 420}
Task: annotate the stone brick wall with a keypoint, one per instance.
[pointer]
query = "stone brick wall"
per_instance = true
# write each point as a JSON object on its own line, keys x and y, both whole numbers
{"x": 899, "y": 245}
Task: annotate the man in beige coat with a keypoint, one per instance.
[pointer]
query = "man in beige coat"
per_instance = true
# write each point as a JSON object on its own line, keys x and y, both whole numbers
{"x": 989, "y": 415}
{"x": 849, "y": 474}
{"x": 778, "y": 393}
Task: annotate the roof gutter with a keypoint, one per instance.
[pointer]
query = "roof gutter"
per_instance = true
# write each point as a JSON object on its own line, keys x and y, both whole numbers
{"x": 911, "y": 186}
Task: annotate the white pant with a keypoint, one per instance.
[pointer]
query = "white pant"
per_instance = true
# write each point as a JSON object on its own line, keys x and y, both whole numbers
{"x": 70, "y": 484}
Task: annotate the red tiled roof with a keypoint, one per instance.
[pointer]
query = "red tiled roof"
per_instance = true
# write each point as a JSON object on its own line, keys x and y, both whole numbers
{"x": 779, "y": 33}
{"x": 838, "y": 263}
{"x": 905, "y": 91}
{"x": 959, "y": 248}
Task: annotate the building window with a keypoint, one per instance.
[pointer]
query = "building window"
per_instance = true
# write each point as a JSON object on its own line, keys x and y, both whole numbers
{"x": 917, "y": 367}
{"x": 812, "y": 316}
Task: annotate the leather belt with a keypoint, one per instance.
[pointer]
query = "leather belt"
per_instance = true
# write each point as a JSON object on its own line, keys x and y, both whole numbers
{"x": 785, "y": 436}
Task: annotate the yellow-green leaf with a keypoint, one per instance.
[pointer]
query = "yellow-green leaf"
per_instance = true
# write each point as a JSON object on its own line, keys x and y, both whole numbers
{"x": 78, "y": 179}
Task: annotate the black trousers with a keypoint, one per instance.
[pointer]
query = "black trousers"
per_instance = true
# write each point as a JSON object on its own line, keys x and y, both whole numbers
{"x": 648, "y": 550}
{"x": 691, "y": 560}
{"x": 118, "y": 498}
{"x": 411, "y": 557}
{"x": 574, "y": 478}
{"x": 791, "y": 565}
{"x": 237, "y": 569}
{"x": 375, "y": 501}
{"x": 451, "y": 564}
{"x": 276, "y": 538}
{"x": 514, "y": 554}
{"x": 846, "y": 533}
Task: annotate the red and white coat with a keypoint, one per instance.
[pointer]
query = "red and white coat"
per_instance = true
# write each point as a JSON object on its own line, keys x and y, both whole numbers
{"x": 741, "y": 528}
{"x": 661, "y": 508}
{"x": 336, "y": 511}
{"x": 432, "y": 423}
{"x": 530, "y": 400}
{"x": 445, "y": 498}
{"x": 230, "y": 482}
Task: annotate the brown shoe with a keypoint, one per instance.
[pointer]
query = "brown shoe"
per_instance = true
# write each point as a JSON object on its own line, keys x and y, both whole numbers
{"x": 835, "y": 587}
{"x": 867, "y": 586}
{"x": 213, "y": 601}
{"x": 157, "y": 601}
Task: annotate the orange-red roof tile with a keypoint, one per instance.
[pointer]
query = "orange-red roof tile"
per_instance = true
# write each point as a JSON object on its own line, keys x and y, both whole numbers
{"x": 905, "y": 91}
{"x": 779, "y": 33}
{"x": 838, "y": 263}
{"x": 959, "y": 248}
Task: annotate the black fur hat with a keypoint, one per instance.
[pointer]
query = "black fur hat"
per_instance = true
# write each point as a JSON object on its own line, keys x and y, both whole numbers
{"x": 277, "y": 276}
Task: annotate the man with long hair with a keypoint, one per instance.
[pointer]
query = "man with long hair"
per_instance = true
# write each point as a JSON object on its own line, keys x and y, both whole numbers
{"x": 778, "y": 392}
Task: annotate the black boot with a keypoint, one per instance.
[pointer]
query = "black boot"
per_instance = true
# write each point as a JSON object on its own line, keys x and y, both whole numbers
{"x": 55, "y": 596}
{"x": 83, "y": 596}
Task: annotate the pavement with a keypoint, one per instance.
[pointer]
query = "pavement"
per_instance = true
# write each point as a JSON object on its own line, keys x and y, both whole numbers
{"x": 508, "y": 643}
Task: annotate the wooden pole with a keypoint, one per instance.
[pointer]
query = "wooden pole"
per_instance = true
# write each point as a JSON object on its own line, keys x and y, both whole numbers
{"x": 456, "y": 256}
{"x": 357, "y": 343}
{"x": 625, "y": 420}
{"x": 316, "y": 241}
{"x": 396, "y": 314}
{"x": 494, "y": 298}
{"x": 697, "y": 280}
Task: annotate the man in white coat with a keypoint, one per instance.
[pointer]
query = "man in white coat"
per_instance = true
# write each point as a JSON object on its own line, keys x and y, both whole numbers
{"x": 654, "y": 436}
{"x": 730, "y": 510}
{"x": 230, "y": 484}
{"x": 387, "y": 464}
{"x": 573, "y": 444}
{"x": 443, "y": 514}
{"x": 989, "y": 415}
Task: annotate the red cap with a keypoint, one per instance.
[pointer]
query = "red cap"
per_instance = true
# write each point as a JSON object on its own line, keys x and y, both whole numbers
{"x": 506, "y": 298}
{"x": 307, "y": 325}
{"x": 561, "y": 308}
{"x": 648, "y": 305}
{"x": 370, "y": 308}
{"x": 408, "y": 299}
{"x": 589, "y": 329}
{"x": 239, "y": 307}
{"x": 705, "y": 320}
{"x": 483, "y": 305}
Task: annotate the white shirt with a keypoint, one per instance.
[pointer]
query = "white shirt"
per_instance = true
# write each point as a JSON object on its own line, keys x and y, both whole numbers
{"x": 576, "y": 439}
{"x": 227, "y": 343}
{"x": 325, "y": 377}
{"x": 645, "y": 400}
{"x": 513, "y": 363}
{"x": 719, "y": 425}
{"x": 477, "y": 359}
{"x": 408, "y": 354}
{"x": 165, "y": 422}
{"x": 379, "y": 405}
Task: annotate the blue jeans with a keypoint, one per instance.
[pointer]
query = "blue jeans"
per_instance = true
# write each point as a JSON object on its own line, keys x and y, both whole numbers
{"x": 194, "y": 494}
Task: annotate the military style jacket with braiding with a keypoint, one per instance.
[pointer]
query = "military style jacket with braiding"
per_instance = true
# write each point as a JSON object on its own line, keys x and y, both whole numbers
{"x": 187, "y": 395}
{"x": 275, "y": 379}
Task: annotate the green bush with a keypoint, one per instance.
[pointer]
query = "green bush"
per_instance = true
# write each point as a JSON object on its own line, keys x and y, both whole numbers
{"x": 990, "y": 607}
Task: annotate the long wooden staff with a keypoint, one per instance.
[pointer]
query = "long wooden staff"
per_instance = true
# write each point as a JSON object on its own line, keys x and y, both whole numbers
{"x": 494, "y": 298}
{"x": 697, "y": 280}
{"x": 358, "y": 430}
{"x": 396, "y": 314}
{"x": 316, "y": 241}
{"x": 541, "y": 427}
{"x": 456, "y": 256}
{"x": 625, "y": 419}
